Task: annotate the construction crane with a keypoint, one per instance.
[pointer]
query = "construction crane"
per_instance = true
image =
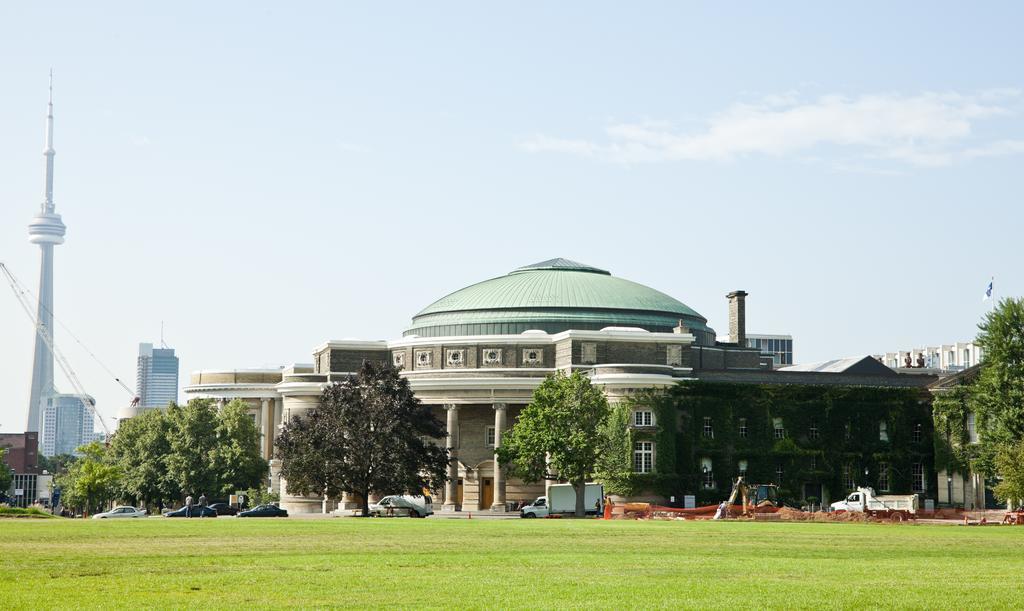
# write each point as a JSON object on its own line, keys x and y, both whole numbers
{"x": 22, "y": 294}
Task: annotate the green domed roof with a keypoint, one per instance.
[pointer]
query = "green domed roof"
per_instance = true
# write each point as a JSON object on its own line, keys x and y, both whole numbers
{"x": 553, "y": 296}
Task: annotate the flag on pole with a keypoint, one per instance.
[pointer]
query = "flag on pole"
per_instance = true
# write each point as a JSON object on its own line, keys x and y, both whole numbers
{"x": 988, "y": 290}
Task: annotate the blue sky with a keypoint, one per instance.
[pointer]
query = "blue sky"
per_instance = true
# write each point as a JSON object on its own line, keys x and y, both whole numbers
{"x": 264, "y": 177}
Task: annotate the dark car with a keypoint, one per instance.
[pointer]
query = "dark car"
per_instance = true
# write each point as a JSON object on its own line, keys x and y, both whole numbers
{"x": 197, "y": 512}
{"x": 264, "y": 511}
{"x": 223, "y": 509}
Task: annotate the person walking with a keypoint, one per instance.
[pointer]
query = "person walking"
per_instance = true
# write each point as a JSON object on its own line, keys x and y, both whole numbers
{"x": 188, "y": 506}
{"x": 202, "y": 504}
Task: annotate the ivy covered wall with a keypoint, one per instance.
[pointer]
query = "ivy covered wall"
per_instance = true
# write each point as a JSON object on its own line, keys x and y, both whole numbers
{"x": 825, "y": 430}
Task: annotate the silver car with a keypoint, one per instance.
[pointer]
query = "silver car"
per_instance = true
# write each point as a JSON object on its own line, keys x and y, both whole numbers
{"x": 124, "y": 511}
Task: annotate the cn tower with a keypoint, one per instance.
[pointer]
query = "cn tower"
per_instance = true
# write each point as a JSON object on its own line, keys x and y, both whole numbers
{"x": 47, "y": 230}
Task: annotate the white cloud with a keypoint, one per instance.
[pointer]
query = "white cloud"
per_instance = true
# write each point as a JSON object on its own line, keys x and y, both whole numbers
{"x": 927, "y": 129}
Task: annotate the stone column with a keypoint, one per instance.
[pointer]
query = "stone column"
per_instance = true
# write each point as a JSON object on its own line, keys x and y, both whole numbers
{"x": 267, "y": 427}
{"x": 499, "y": 477}
{"x": 452, "y": 441}
{"x": 275, "y": 477}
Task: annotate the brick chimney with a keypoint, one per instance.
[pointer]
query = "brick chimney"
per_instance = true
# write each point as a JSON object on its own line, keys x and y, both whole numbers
{"x": 738, "y": 317}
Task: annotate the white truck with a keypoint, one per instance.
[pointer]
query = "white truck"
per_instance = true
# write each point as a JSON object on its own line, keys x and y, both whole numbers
{"x": 864, "y": 500}
{"x": 561, "y": 499}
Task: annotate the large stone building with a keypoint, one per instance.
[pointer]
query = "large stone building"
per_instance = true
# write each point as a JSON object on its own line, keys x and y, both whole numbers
{"x": 476, "y": 356}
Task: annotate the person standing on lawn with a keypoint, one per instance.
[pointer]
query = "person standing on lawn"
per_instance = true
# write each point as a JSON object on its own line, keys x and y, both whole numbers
{"x": 188, "y": 506}
{"x": 202, "y": 504}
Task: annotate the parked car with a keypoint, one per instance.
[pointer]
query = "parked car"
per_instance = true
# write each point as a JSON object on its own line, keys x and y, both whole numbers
{"x": 223, "y": 509}
{"x": 123, "y": 511}
{"x": 264, "y": 511}
{"x": 197, "y": 512}
{"x": 400, "y": 506}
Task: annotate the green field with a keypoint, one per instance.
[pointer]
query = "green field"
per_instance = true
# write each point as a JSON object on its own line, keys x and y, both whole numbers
{"x": 400, "y": 563}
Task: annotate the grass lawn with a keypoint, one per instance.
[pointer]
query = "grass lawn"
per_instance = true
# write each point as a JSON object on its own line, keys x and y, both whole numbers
{"x": 401, "y": 563}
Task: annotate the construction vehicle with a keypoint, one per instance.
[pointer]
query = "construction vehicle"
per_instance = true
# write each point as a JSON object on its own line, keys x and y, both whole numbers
{"x": 751, "y": 496}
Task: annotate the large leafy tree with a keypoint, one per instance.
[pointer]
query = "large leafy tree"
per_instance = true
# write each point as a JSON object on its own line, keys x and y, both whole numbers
{"x": 236, "y": 455}
{"x": 57, "y": 464}
{"x": 565, "y": 422}
{"x": 311, "y": 464}
{"x": 369, "y": 434}
{"x": 92, "y": 481}
{"x": 192, "y": 440}
{"x": 140, "y": 448}
{"x": 1009, "y": 462}
{"x": 996, "y": 397}
{"x": 999, "y": 389}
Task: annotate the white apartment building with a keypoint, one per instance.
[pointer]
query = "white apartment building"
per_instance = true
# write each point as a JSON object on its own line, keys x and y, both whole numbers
{"x": 943, "y": 357}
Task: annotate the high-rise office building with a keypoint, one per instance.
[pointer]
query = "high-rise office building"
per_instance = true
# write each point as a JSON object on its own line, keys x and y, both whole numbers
{"x": 157, "y": 381}
{"x": 779, "y": 346}
{"x": 66, "y": 423}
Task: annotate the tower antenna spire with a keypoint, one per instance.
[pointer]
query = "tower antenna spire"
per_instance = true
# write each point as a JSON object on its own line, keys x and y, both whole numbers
{"x": 48, "y": 152}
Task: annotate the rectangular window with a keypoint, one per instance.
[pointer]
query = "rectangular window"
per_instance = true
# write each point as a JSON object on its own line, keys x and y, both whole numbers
{"x": 778, "y": 474}
{"x": 918, "y": 432}
{"x": 813, "y": 431}
{"x": 883, "y": 476}
{"x": 643, "y": 456}
{"x": 780, "y": 431}
{"x": 972, "y": 429}
{"x": 743, "y": 428}
{"x": 489, "y": 436}
{"x": 707, "y": 473}
{"x": 708, "y": 431}
{"x": 743, "y": 468}
{"x": 848, "y": 482}
{"x": 917, "y": 471}
{"x": 883, "y": 431}
{"x": 643, "y": 418}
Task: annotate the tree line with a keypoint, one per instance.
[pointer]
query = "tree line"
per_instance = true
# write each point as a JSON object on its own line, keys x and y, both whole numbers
{"x": 160, "y": 456}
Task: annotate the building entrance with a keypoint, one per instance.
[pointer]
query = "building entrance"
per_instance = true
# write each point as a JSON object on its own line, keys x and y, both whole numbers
{"x": 486, "y": 492}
